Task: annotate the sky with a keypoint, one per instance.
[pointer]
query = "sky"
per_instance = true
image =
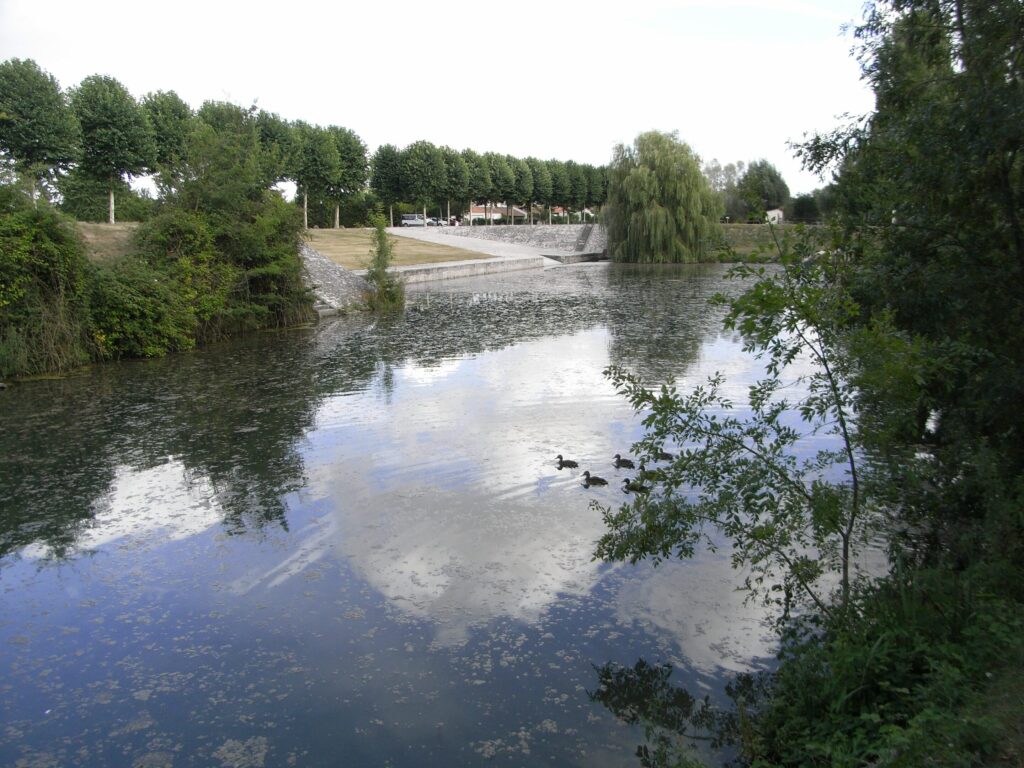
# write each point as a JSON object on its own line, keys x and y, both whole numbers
{"x": 737, "y": 79}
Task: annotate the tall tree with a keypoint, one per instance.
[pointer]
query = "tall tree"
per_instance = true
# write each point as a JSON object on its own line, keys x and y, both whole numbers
{"x": 38, "y": 131}
{"x": 762, "y": 187}
{"x": 117, "y": 140}
{"x": 660, "y": 207}
{"x": 560, "y": 187}
{"x": 386, "y": 177}
{"x": 541, "y": 183}
{"x": 479, "y": 182}
{"x": 597, "y": 185}
{"x": 423, "y": 173}
{"x": 171, "y": 121}
{"x": 456, "y": 177}
{"x": 523, "y": 185}
{"x": 279, "y": 144}
{"x": 577, "y": 193}
{"x": 352, "y": 168}
{"x": 316, "y": 164}
{"x": 503, "y": 181}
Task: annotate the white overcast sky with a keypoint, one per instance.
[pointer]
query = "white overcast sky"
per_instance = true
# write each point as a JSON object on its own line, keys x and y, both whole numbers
{"x": 738, "y": 79}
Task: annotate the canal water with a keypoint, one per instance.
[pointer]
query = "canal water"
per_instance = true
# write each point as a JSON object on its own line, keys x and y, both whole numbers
{"x": 350, "y": 544}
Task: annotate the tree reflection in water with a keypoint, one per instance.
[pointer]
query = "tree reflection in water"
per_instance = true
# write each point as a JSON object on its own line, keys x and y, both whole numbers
{"x": 674, "y": 721}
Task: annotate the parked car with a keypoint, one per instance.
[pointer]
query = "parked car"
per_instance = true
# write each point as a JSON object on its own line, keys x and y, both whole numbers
{"x": 432, "y": 222}
{"x": 413, "y": 220}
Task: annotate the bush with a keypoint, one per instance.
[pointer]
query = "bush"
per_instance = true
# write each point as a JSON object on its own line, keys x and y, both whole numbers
{"x": 44, "y": 278}
{"x": 386, "y": 290}
{"x": 138, "y": 312}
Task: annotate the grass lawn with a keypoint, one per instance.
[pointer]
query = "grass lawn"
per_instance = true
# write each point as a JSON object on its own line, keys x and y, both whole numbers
{"x": 351, "y": 249}
{"x": 107, "y": 242}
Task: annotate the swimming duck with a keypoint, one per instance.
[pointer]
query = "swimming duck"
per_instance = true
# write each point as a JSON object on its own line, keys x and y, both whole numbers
{"x": 634, "y": 486}
{"x": 621, "y": 463}
{"x": 589, "y": 480}
{"x": 563, "y": 463}
{"x": 664, "y": 456}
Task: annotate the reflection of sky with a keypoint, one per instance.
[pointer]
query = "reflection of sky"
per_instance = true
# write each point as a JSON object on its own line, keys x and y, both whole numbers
{"x": 454, "y": 509}
{"x": 446, "y": 499}
{"x": 160, "y": 504}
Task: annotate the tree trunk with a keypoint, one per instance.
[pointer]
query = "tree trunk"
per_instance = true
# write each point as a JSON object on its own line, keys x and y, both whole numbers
{"x": 111, "y": 207}
{"x": 337, "y": 215}
{"x": 549, "y": 215}
{"x": 305, "y": 210}
{"x": 391, "y": 214}
{"x": 449, "y": 211}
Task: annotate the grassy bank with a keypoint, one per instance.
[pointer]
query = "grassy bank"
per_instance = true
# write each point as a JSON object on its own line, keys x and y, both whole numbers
{"x": 746, "y": 240}
{"x": 350, "y": 248}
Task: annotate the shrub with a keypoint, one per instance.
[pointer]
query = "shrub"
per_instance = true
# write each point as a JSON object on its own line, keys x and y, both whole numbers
{"x": 386, "y": 290}
{"x": 44, "y": 276}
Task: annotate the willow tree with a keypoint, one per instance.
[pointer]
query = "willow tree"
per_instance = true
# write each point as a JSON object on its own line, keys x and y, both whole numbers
{"x": 660, "y": 207}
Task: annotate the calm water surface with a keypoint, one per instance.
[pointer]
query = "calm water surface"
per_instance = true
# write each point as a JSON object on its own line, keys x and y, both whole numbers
{"x": 349, "y": 545}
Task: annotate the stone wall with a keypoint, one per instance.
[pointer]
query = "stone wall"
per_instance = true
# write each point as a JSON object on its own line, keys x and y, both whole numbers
{"x": 545, "y": 237}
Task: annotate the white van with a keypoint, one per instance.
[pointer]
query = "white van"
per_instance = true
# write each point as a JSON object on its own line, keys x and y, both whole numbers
{"x": 413, "y": 220}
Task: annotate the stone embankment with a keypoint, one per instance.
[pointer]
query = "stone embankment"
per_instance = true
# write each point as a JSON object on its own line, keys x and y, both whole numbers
{"x": 552, "y": 239}
{"x": 336, "y": 288}
{"x": 502, "y": 249}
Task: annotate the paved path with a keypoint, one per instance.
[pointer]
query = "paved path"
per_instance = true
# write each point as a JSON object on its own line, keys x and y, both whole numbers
{"x": 477, "y": 244}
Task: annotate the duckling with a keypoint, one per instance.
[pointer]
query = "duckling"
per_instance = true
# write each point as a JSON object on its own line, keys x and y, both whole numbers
{"x": 589, "y": 480}
{"x": 621, "y": 463}
{"x": 656, "y": 475}
{"x": 664, "y": 456}
{"x": 634, "y": 486}
{"x": 563, "y": 463}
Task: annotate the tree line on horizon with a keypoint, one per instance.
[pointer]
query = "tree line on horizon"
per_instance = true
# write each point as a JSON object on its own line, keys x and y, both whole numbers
{"x": 82, "y": 146}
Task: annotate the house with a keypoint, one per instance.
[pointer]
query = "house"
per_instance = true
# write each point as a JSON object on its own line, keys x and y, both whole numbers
{"x": 774, "y": 216}
{"x": 478, "y": 212}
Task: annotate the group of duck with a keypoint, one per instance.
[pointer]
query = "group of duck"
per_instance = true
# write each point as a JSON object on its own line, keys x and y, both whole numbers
{"x": 629, "y": 485}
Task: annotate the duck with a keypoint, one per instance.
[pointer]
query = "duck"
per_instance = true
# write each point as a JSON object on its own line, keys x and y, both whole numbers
{"x": 634, "y": 486}
{"x": 563, "y": 463}
{"x": 589, "y": 480}
{"x": 621, "y": 463}
{"x": 664, "y": 456}
{"x": 645, "y": 474}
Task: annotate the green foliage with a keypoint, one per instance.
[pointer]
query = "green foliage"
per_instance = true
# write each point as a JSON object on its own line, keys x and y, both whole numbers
{"x": 387, "y": 294}
{"x": 38, "y": 131}
{"x": 44, "y": 279}
{"x": 352, "y": 168}
{"x": 795, "y": 523}
{"x": 542, "y": 187}
{"x": 171, "y": 121}
{"x": 138, "y": 312}
{"x": 478, "y": 183}
{"x": 117, "y": 140}
{"x": 762, "y": 188}
{"x": 503, "y": 180}
{"x": 87, "y": 199}
{"x": 386, "y": 174}
{"x": 660, "y": 208}
{"x": 803, "y": 208}
{"x": 422, "y": 173}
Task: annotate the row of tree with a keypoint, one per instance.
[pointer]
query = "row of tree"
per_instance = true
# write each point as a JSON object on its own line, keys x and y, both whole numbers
{"x": 96, "y": 136}
{"x": 426, "y": 174}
